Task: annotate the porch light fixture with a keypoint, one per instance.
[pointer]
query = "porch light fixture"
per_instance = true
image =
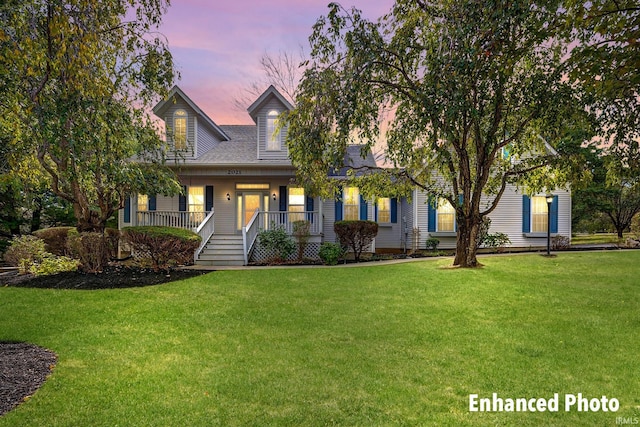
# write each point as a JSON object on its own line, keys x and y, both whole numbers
{"x": 274, "y": 196}
{"x": 228, "y": 196}
{"x": 549, "y": 199}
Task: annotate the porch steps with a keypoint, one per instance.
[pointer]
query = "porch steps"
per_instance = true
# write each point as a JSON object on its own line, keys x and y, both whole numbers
{"x": 222, "y": 250}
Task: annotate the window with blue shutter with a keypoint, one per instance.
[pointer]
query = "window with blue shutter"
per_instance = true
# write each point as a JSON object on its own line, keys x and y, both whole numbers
{"x": 534, "y": 215}
{"x": 208, "y": 198}
{"x": 309, "y": 208}
{"x": 127, "y": 210}
{"x": 526, "y": 214}
{"x": 431, "y": 214}
{"x": 152, "y": 203}
{"x": 363, "y": 209}
{"x": 394, "y": 210}
{"x": 182, "y": 199}
{"x": 553, "y": 226}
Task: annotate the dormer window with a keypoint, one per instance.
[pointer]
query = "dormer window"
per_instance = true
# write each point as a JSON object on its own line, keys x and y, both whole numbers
{"x": 273, "y": 134}
{"x": 180, "y": 129}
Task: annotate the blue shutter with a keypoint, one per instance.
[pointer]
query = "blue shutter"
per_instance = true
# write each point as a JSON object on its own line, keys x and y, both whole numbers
{"x": 182, "y": 199}
{"x": 394, "y": 210}
{"x": 127, "y": 210}
{"x": 338, "y": 208}
{"x": 208, "y": 198}
{"x": 363, "y": 209}
{"x": 152, "y": 203}
{"x": 526, "y": 214}
{"x": 375, "y": 210}
{"x": 283, "y": 198}
{"x": 431, "y": 215}
{"x": 309, "y": 208}
{"x": 553, "y": 225}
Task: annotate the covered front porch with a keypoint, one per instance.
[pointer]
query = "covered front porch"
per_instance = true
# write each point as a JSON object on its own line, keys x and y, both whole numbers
{"x": 229, "y": 247}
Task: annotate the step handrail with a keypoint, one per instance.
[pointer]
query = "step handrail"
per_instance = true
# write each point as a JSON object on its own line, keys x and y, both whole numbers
{"x": 205, "y": 231}
{"x": 249, "y": 235}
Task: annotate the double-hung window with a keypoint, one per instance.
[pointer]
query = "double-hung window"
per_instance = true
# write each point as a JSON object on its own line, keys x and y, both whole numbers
{"x": 273, "y": 134}
{"x": 446, "y": 216}
{"x": 180, "y": 129}
{"x": 351, "y": 204}
{"x": 296, "y": 203}
{"x": 384, "y": 209}
{"x": 539, "y": 214}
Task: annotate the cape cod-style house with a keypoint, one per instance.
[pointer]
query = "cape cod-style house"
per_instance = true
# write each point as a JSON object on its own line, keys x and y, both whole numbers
{"x": 238, "y": 179}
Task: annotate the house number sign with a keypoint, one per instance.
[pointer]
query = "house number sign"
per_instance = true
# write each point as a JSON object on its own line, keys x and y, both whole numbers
{"x": 234, "y": 172}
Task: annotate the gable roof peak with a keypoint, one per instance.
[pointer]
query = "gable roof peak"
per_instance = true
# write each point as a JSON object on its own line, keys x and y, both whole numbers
{"x": 161, "y": 108}
{"x": 271, "y": 92}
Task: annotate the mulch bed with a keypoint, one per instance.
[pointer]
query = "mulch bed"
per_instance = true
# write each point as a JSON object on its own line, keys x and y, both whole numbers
{"x": 24, "y": 367}
{"x": 111, "y": 278}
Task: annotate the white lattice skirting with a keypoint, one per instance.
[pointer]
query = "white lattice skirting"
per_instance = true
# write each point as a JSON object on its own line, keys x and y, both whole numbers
{"x": 260, "y": 254}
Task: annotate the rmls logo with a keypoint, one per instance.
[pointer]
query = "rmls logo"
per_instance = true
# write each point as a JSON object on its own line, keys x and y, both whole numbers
{"x": 628, "y": 421}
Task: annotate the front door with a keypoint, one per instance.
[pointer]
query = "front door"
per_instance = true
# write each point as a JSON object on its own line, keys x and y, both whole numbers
{"x": 248, "y": 202}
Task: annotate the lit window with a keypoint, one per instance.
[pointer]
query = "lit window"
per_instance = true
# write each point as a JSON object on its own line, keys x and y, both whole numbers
{"x": 143, "y": 203}
{"x": 538, "y": 214}
{"x": 273, "y": 134}
{"x": 180, "y": 129}
{"x": 384, "y": 209}
{"x": 446, "y": 216}
{"x": 196, "y": 203}
{"x": 296, "y": 203}
{"x": 351, "y": 204}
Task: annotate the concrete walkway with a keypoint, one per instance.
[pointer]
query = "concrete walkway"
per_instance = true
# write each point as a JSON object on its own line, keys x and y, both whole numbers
{"x": 576, "y": 248}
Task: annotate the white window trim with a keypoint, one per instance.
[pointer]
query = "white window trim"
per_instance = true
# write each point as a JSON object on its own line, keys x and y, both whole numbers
{"x": 277, "y": 141}
{"x": 344, "y": 205}
{"x": 438, "y": 219}
{"x": 186, "y": 129}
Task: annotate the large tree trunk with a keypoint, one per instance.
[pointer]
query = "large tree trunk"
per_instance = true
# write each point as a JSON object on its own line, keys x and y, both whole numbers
{"x": 466, "y": 243}
{"x": 88, "y": 220}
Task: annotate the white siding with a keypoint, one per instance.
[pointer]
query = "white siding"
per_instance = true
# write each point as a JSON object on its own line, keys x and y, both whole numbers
{"x": 191, "y": 124}
{"x": 506, "y": 218}
{"x": 273, "y": 104}
{"x": 206, "y": 139}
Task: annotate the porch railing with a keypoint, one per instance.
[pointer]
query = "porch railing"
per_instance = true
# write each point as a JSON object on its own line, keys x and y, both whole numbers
{"x": 269, "y": 220}
{"x": 205, "y": 231}
{"x": 179, "y": 219}
{"x": 250, "y": 234}
{"x": 288, "y": 218}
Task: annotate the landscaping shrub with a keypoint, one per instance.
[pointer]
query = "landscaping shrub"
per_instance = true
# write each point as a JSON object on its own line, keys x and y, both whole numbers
{"x": 163, "y": 246}
{"x": 90, "y": 249}
{"x": 356, "y": 235}
{"x": 560, "y": 242}
{"x": 52, "y": 264}
{"x": 28, "y": 253}
{"x": 432, "y": 243}
{"x": 496, "y": 241}
{"x": 279, "y": 245}
{"x": 330, "y": 253}
{"x": 55, "y": 239}
{"x": 112, "y": 241}
{"x": 24, "y": 252}
{"x": 302, "y": 233}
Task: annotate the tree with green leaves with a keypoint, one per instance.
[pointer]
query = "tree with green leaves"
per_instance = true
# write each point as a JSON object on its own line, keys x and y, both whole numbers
{"x": 606, "y": 60}
{"x": 462, "y": 98}
{"x": 77, "y": 78}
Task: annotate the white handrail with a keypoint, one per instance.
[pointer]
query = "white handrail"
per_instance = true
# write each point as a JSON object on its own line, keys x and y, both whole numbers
{"x": 249, "y": 235}
{"x": 178, "y": 219}
{"x": 205, "y": 231}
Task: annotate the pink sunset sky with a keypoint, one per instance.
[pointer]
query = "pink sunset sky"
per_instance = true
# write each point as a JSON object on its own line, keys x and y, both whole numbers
{"x": 217, "y": 45}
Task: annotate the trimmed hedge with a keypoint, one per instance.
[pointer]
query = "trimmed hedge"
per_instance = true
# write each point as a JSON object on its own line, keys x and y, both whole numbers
{"x": 56, "y": 239}
{"x": 162, "y": 246}
{"x": 356, "y": 235}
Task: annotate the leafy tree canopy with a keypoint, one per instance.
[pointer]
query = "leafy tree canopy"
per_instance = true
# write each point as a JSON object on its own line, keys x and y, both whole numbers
{"x": 461, "y": 98}
{"x": 76, "y": 80}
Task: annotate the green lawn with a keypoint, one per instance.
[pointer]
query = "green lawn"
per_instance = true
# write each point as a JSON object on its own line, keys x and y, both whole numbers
{"x": 402, "y": 344}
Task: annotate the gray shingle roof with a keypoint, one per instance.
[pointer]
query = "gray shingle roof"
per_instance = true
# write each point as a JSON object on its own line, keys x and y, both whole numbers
{"x": 239, "y": 150}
